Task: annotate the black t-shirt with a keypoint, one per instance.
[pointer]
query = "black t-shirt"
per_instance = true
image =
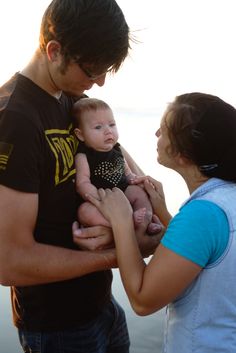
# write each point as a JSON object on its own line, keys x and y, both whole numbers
{"x": 37, "y": 149}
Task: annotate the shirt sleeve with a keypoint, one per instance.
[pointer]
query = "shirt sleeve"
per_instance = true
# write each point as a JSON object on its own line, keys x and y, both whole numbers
{"x": 20, "y": 153}
{"x": 199, "y": 232}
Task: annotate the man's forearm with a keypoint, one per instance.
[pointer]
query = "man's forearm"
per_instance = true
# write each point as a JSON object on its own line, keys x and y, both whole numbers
{"x": 40, "y": 263}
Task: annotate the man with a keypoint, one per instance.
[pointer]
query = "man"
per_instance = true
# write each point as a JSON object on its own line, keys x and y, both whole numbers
{"x": 61, "y": 294}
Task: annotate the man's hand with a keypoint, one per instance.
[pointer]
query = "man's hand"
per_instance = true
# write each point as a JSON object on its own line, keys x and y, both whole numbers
{"x": 92, "y": 238}
{"x": 149, "y": 243}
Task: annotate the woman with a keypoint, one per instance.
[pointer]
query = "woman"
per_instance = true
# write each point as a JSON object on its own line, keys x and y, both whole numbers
{"x": 193, "y": 270}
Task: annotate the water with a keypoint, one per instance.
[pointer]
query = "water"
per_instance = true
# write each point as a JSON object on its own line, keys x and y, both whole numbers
{"x": 8, "y": 334}
{"x": 137, "y": 135}
{"x": 145, "y": 332}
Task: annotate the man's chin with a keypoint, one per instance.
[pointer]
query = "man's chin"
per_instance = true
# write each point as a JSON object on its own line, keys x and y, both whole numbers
{"x": 75, "y": 94}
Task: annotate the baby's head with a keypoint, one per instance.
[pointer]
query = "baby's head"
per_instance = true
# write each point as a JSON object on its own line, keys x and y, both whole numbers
{"x": 86, "y": 105}
{"x": 95, "y": 124}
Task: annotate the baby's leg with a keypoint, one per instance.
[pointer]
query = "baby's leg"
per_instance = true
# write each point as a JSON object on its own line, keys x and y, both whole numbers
{"x": 142, "y": 208}
{"x": 140, "y": 203}
{"x": 88, "y": 215}
{"x": 140, "y": 216}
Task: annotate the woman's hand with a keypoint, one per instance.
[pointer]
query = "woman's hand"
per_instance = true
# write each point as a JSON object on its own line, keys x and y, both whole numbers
{"x": 113, "y": 204}
{"x": 157, "y": 197}
{"x": 136, "y": 180}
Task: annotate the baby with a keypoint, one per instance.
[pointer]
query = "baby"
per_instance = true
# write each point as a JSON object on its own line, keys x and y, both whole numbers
{"x": 101, "y": 164}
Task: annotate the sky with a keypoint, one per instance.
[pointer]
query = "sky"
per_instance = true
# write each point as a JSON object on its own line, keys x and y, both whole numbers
{"x": 184, "y": 45}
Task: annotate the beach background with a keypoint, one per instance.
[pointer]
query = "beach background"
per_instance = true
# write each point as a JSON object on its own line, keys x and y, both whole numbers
{"x": 181, "y": 46}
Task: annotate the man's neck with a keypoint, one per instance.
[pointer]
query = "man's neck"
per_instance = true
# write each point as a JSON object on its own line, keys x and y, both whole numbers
{"x": 37, "y": 71}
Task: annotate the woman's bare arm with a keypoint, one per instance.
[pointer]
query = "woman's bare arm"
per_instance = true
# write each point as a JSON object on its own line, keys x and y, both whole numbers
{"x": 149, "y": 286}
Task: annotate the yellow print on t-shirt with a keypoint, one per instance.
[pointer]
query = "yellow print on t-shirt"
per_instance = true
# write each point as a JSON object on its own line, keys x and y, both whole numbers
{"x": 63, "y": 145}
{"x": 5, "y": 152}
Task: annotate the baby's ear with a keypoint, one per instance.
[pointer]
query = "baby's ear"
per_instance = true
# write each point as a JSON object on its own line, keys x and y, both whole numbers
{"x": 78, "y": 134}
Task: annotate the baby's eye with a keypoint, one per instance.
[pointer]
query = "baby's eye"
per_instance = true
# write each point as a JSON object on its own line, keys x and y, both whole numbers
{"x": 112, "y": 124}
{"x": 98, "y": 127}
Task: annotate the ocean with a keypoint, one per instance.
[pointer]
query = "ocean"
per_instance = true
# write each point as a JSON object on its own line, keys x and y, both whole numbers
{"x": 137, "y": 135}
{"x": 145, "y": 332}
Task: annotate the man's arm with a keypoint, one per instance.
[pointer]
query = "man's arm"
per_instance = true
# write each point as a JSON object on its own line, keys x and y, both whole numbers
{"x": 23, "y": 261}
{"x": 132, "y": 164}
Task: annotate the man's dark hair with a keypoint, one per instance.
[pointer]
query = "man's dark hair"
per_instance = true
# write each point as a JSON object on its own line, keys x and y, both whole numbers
{"x": 92, "y": 32}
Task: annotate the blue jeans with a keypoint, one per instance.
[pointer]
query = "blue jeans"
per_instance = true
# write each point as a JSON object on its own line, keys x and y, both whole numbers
{"x": 107, "y": 333}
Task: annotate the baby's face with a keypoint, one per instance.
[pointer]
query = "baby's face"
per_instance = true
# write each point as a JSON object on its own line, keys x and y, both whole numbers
{"x": 98, "y": 128}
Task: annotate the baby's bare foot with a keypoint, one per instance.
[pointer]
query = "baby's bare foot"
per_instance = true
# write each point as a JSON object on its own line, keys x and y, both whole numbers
{"x": 154, "y": 228}
{"x": 139, "y": 216}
